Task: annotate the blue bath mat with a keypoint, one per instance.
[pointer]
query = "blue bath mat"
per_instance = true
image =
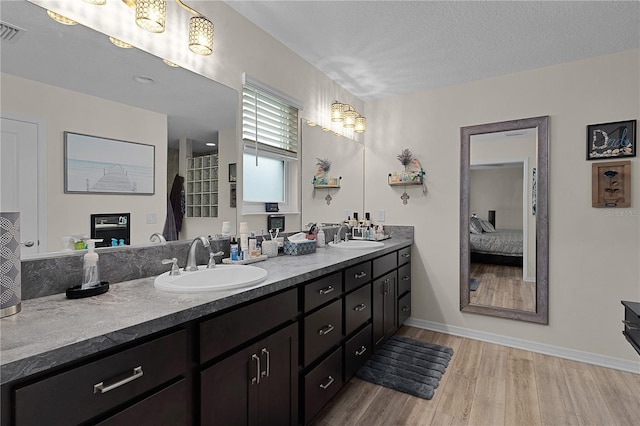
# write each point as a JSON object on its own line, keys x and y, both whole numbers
{"x": 473, "y": 284}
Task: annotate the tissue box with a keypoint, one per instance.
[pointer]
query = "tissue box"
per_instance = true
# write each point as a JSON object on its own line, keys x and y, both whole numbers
{"x": 299, "y": 248}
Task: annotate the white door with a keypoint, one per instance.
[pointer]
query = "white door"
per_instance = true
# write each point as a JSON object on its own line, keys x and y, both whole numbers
{"x": 19, "y": 178}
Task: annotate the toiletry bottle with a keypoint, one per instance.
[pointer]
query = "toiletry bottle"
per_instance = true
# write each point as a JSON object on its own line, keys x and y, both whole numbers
{"x": 90, "y": 270}
{"x": 244, "y": 240}
{"x": 252, "y": 245}
{"x": 234, "y": 249}
{"x": 320, "y": 237}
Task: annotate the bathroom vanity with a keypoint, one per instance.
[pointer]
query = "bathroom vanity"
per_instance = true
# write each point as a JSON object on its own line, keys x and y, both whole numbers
{"x": 272, "y": 354}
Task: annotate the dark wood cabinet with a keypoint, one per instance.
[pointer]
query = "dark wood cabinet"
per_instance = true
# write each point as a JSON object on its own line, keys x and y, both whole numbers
{"x": 89, "y": 390}
{"x": 322, "y": 331}
{"x": 384, "y": 307}
{"x": 356, "y": 351}
{"x": 258, "y": 385}
{"x": 321, "y": 384}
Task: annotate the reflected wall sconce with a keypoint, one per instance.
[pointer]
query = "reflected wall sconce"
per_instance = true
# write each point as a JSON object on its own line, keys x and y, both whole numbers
{"x": 348, "y": 116}
{"x": 151, "y": 15}
{"x": 61, "y": 19}
{"x": 120, "y": 43}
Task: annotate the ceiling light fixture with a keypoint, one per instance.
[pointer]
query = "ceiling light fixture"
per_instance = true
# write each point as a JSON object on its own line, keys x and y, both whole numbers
{"x": 120, "y": 43}
{"x": 171, "y": 64}
{"x": 130, "y": 3}
{"x": 348, "y": 116}
{"x": 151, "y": 15}
{"x": 61, "y": 19}
{"x": 200, "y": 32}
{"x": 96, "y": 2}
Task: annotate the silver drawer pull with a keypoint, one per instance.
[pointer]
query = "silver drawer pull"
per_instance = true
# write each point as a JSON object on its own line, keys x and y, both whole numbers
{"x": 325, "y": 330}
{"x": 101, "y": 388}
{"x": 256, "y": 380}
{"x": 360, "y": 307}
{"x": 406, "y": 309}
{"x": 361, "y": 351}
{"x": 631, "y": 326}
{"x": 406, "y": 255}
{"x": 265, "y": 373}
{"x": 329, "y": 383}
{"x": 326, "y": 290}
{"x": 360, "y": 275}
{"x": 406, "y": 278}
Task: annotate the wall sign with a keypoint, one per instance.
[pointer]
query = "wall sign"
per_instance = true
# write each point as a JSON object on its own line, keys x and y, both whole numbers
{"x": 611, "y": 140}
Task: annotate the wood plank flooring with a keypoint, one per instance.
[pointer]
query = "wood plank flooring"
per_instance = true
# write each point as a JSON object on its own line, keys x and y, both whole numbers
{"x": 502, "y": 286}
{"x": 488, "y": 384}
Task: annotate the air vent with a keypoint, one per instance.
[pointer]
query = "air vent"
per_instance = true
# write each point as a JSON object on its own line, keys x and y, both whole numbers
{"x": 10, "y": 33}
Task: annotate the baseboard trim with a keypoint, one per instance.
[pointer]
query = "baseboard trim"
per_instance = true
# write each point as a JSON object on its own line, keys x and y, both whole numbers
{"x": 512, "y": 342}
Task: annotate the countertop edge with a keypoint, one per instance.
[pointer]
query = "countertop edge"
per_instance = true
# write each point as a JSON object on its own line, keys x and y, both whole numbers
{"x": 23, "y": 367}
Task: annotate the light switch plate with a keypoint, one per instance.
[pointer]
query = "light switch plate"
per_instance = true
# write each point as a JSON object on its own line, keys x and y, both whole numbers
{"x": 381, "y": 215}
{"x": 152, "y": 219}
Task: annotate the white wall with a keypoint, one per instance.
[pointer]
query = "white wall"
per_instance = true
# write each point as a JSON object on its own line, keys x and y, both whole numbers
{"x": 64, "y": 110}
{"x": 499, "y": 190}
{"x": 585, "y": 288}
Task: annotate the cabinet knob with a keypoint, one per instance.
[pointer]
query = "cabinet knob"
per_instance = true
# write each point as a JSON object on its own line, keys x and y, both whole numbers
{"x": 328, "y": 383}
{"x": 325, "y": 330}
{"x": 360, "y": 307}
{"x": 361, "y": 351}
{"x": 326, "y": 290}
{"x": 101, "y": 388}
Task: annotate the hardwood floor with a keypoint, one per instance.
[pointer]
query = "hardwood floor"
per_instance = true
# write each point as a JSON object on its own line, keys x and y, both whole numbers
{"x": 488, "y": 384}
{"x": 502, "y": 287}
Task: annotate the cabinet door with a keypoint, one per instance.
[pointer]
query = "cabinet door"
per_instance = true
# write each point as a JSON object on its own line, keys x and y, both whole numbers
{"x": 228, "y": 390}
{"x": 278, "y": 390}
{"x": 384, "y": 307}
{"x": 255, "y": 386}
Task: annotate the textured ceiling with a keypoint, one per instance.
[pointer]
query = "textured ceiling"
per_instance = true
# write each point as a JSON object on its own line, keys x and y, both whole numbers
{"x": 377, "y": 49}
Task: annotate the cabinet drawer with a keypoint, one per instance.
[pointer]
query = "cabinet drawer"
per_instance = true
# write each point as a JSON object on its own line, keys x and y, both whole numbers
{"x": 404, "y": 279}
{"x": 322, "y": 330}
{"x": 321, "y": 291}
{"x": 357, "y": 350}
{"x": 170, "y": 406}
{"x": 404, "y": 308}
{"x": 82, "y": 393}
{"x": 404, "y": 255}
{"x": 384, "y": 264}
{"x": 321, "y": 384}
{"x": 357, "y": 308}
{"x": 227, "y": 331}
{"x": 357, "y": 275}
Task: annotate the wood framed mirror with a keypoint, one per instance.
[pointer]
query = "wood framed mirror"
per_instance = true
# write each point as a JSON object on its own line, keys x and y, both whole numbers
{"x": 504, "y": 230}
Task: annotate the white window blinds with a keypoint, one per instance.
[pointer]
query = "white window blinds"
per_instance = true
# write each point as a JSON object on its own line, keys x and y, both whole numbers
{"x": 269, "y": 120}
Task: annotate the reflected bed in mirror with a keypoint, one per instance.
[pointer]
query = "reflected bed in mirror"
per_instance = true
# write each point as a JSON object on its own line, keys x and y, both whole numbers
{"x": 503, "y": 219}
{"x": 72, "y": 78}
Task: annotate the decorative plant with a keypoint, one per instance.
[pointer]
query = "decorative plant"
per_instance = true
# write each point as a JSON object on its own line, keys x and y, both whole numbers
{"x": 324, "y": 164}
{"x": 405, "y": 157}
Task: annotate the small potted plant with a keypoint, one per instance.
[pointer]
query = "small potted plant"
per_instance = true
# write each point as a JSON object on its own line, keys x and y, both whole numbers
{"x": 324, "y": 165}
{"x": 405, "y": 158}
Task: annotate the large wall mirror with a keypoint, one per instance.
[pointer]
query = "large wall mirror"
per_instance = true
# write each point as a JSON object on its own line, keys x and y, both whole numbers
{"x": 193, "y": 110}
{"x": 504, "y": 249}
{"x": 331, "y": 203}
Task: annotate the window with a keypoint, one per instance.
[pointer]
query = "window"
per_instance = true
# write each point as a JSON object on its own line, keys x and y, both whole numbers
{"x": 270, "y": 152}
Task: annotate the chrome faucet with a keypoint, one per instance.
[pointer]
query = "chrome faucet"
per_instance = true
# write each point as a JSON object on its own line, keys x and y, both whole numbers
{"x": 191, "y": 256}
{"x": 336, "y": 236}
{"x": 212, "y": 260}
{"x": 157, "y": 237}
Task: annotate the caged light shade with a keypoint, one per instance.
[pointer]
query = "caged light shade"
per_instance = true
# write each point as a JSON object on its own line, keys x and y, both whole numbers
{"x": 361, "y": 125}
{"x": 151, "y": 15}
{"x": 350, "y": 115}
{"x": 201, "y": 35}
{"x": 337, "y": 111}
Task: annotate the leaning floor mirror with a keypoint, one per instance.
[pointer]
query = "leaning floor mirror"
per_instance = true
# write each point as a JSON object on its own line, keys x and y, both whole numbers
{"x": 504, "y": 233}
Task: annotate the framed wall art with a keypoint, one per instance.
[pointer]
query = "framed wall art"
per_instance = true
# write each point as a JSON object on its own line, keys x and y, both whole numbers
{"x": 95, "y": 165}
{"x": 611, "y": 184}
{"x": 611, "y": 140}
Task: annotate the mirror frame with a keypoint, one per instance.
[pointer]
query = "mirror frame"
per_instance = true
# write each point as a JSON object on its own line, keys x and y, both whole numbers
{"x": 541, "y": 124}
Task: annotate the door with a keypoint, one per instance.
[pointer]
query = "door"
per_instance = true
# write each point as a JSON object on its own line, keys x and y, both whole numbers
{"x": 19, "y": 178}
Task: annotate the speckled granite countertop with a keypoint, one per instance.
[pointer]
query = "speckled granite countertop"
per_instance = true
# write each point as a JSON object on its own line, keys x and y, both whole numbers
{"x": 53, "y": 330}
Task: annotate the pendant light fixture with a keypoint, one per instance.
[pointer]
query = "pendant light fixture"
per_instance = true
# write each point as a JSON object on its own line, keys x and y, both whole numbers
{"x": 61, "y": 19}
{"x": 120, "y": 43}
{"x": 96, "y": 2}
{"x": 348, "y": 116}
{"x": 151, "y": 15}
{"x": 200, "y": 32}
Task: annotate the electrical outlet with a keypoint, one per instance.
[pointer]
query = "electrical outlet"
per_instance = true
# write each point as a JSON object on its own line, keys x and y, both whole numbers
{"x": 381, "y": 215}
{"x": 152, "y": 219}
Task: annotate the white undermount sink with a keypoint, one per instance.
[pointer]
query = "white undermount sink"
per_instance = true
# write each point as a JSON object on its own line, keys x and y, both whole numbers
{"x": 357, "y": 245}
{"x": 222, "y": 277}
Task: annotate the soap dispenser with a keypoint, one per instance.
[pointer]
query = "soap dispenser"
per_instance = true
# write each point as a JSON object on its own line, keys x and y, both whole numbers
{"x": 90, "y": 270}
